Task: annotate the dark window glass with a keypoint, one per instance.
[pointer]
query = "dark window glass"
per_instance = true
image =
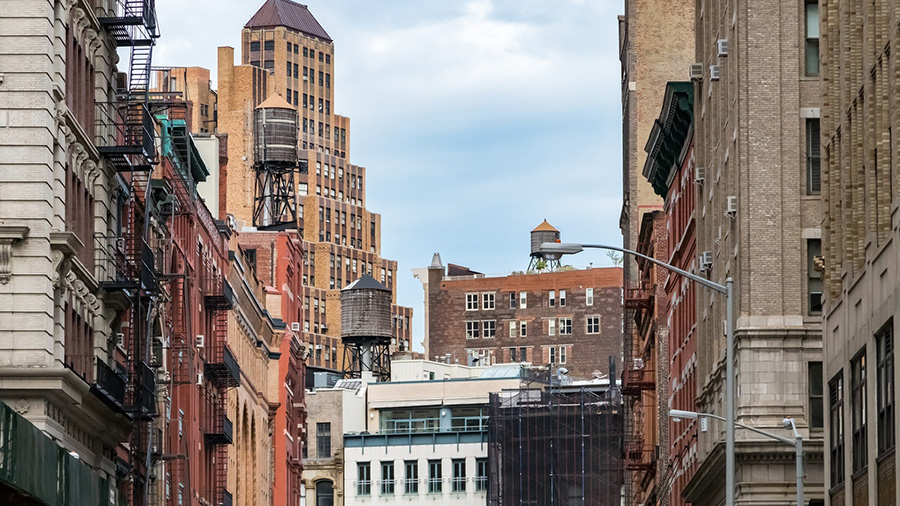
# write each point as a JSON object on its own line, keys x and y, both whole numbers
{"x": 435, "y": 477}
{"x": 411, "y": 483}
{"x": 813, "y": 157}
{"x": 836, "y": 429}
{"x": 816, "y": 395}
{"x": 459, "y": 475}
{"x": 812, "y": 37}
{"x": 814, "y": 284}
{"x": 324, "y": 493}
{"x": 387, "y": 478}
{"x": 270, "y": 45}
{"x": 885, "y": 344}
{"x": 323, "y": 440}
{"x": 858, "y": 411}
{"x": 254, "y": 46}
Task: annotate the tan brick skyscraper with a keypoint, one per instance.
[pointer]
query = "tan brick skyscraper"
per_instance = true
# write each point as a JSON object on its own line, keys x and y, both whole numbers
{"x": 758, "y": 214}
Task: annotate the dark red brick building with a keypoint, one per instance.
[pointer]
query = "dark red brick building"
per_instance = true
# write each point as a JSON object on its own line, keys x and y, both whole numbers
{"x": 569, "y": 318}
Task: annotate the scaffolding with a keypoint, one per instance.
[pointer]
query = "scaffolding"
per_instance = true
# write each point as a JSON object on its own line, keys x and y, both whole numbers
{"x": 553, "y": 447}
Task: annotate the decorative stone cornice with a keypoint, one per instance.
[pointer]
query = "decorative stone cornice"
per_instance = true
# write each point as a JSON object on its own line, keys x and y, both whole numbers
{"x": 63, "y": 246}
{"x": 9, "y": 235}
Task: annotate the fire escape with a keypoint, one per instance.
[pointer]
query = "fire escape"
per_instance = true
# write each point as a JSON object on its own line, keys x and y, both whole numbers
{"x": 640, "y": 458}
{"x": 125, "y": 138}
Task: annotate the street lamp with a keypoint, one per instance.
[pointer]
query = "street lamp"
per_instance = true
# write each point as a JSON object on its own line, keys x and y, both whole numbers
{"x": 555, "y": 250}
{"x": 677, "y": 415}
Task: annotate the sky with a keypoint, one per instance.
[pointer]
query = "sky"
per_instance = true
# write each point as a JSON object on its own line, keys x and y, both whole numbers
{"x": 475, "y": 119}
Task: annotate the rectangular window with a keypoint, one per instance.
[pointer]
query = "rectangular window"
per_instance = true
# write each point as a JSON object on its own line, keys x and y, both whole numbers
{"x": 481, "y": 474}
{"x": 885, "y": 404}
{"x": 269, "y": 45}
{"x": 858, "y": 411}
{"x": 254, "y": 46}
{"x": 812, "y": 37}
{"x": 836, "y": 429}
{"x": 562, "y": 354}
{"x": 523, "y": 329}
{"x": 565, "y": 326}
{"x": 551, "y": 327}
{"x": 487, "y": 300}
{"x": 489, "y": 328}
{"x": 512, "y": 355}
{"x": 323, "y": 440}
{"x": 552, "y": 355}
{"x": 435, "y": 477}
{"x": 523, "y": 300}
{"x": 180, "y": 424}
{"x": 552, "y": 299}
{"x": 562, "y": 298}
{"x": 471, "y": 302}
{"x": 593, "y": 324}
{"x": 387, "y": 478}
{"x": 512, "y": 329}
{"x": 364, "y": 479}
{"x": 816, "y": 395}
{"x": 472, "y": 330}
{"x": 512, "y": 300}
{"x": 411, "y": 483}
{"x": 459, "y": 475}
{"x": 813, "y": 157}
{"x": 523, "y": 354}
{"x": 589, "y": 297}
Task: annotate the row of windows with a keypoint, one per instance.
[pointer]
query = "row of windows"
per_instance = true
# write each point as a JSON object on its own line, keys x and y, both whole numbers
{"x": 385, "y": 280}
{"x": 519, "y": 328}
{"x": 269, "y": 45}
{"x": 884, "y": 397}
{"x": 488, "y": 299}
{"x": 410, "y": 483}
{"x": 329, "y": 171}
{"x": 303, "y": 188}
{"x": 325, "y": 216}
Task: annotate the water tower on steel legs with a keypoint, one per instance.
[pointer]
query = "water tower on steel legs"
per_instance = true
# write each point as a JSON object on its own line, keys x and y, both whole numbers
{"x": 366, "y": 329}
{"x": 275, "y": 162}
{"x": 544, "y": 232}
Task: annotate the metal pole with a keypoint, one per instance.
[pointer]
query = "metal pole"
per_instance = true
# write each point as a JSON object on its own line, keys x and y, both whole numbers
{"x": 799, "y": 446}
{"x": 729, "y": 392}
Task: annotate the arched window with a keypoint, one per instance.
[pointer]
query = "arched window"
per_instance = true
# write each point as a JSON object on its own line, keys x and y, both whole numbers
{"x": 324, "y": 493}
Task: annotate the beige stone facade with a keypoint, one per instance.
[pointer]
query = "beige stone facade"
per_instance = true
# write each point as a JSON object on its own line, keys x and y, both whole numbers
{"x": 758, "y": 217}
{"x": 859, "y": 121}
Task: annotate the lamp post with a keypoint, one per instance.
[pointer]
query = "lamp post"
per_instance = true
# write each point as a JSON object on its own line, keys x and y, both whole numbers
{"x": 789, "y": 423}
{"x": 555, "y": 250}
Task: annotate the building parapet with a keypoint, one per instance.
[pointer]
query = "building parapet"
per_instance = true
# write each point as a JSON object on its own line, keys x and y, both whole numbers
{"x": 408, "y": 438}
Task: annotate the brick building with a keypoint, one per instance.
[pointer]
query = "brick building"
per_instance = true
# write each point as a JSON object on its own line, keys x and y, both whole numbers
{"x": 671, "y": 171}
{"x": 758, "y": 216}
{"x": 860, "y": 233}
{"x": 286, "y": 52}
{"x": 569, "y": 318}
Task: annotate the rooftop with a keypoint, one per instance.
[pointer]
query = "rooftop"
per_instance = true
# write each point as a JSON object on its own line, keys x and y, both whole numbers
{"x": 290, "y": 15}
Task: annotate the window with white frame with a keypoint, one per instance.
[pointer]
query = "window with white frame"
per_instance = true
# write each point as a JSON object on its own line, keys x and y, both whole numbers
{"x": 562, "y": 298}
{"x": 562, "y": 354}
{"x": 523, "y": 300}
{"x": 471, "y": 330}
{"x": 523, "y": 329}
{"x": 593, "y": 324}
{"x": 565, "y": 326}
{"x": 552, "y": 299}
{"x": 489, "y": 328}
{"x": 487, "y": 300}
{"x": 471, "y": 302}
{"x": 551, "y": 327}
{"x": 512, "y": 329}
{"x": 589, "y": 297}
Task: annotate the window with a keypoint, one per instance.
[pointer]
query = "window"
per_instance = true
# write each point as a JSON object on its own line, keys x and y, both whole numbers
{"x": 481, "y": 474}
{"x": 512, "y": 300}
{"x": 523, "y": 354}
{"x": 552, "y": 355}
{"x": 813, "y": 157}
{"x": 180, "y": 424}
{"x": 523, "y": 329}
{"x": 323, "y": 440}
{"x": 180, "y": 494}
{"x": 471, "y": 302}
{"x": 593, "y": 324}
{"x": 523, "y": 300}
{"x": 411, "y": 483}
{"x": 565, "y": 326}
{"x": 364, "y": 479}
{"x": 858, "y": 410}
{"x": 472, "y": 330}
{"x": 459, "y": 475}
{"x": 269, "y": 64}
{"x": 512, "y": 329}
{"x": 816, "y": 395}
{"x": 562, "y": 298}
{"x": 562, "y": 354}
{"x": 512, "y": 355}
{"x": 435, "y": 477}
{"x": 812, "y": 37}
{"x": 836, "y": 414}
{"x": 489, "y": 328}
{"x": 387, "y": 478}
{"x": 551, "y": 327}
{"x": 487, "y": 300}
{"x": 269, "y": 45}
{"x": 589, "y": 297}
{"x": 324, "y": 493}
{"x": 312, "y": 53}
{"x": 254, "y": 46}
{"x": 552, "y": 299}
{"x": 885, "y": 379}
{"x": 289, "y": 74}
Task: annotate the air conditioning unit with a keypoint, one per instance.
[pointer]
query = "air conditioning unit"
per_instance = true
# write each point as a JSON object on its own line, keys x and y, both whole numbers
{"x": 201, "y": 340}
{"x": 120, "y": 339}
{"x": 232, "y": 223}
{"x": 731, "y": 205}
{"x": 305, "y": 78}
{"x": 324, "y": 327}
{"x": 699, "y": 174}
{"x": 722, "y": 47}
{"x": 696, "y": 72}
{"x": 120, "y": 244}
{"x": 706, "y": 260}
{"x": 295, "y": 326}
{"x": 713, "y": 72}
{"x": 199, "y": 379}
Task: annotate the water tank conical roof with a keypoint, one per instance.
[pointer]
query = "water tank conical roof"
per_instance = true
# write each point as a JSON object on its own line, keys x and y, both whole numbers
{"x": 366, "y": 282}
{"x": 545, "y": 227}
{"x": 436, "y": 262}
{"x": 275, "y": 101}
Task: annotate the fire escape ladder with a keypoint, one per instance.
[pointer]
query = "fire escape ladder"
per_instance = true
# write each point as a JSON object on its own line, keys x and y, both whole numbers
{"x": 182, "y": 362}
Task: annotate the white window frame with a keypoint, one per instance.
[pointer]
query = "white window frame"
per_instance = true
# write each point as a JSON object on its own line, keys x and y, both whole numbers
{"x": 488, "y": 300}
{"x": 551, "y": 327}
{"x": 472, "y": 329}
{"x": 523, "y": 300}
{"x": 471, "y": 302}
{"x": 587, "y": 324}
{"x": 589, "y": 297}
{"x": 562, "y": 298}
{"x": 562, "y": 354}
{"x": 484, "y": 328}
{"x": 565, "y": 324}
{"x": 552, "y": 299}
{"x": 512, "y": 328}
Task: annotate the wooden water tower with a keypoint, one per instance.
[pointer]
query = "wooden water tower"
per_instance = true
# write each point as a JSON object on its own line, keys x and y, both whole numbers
{"x": 544, "y": 232}
{"x": 366, "y": 328}
{"x": 275, "y": 161}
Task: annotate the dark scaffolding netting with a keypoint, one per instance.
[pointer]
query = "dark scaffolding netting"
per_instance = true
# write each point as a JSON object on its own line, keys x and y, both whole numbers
{"x": 555, "y": 448}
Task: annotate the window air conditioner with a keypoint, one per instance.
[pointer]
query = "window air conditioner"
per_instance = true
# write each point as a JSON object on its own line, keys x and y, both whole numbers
{"x": 699, "y": 174}
{"x": 731, "y": 205}
{"x": 295, "y": 326}
{"x": 120, "y": 340}
{"x": 199, "y": 379}
{"x": 705, "y": 261}
{"x": 696, "y": 72}
{"x": 722, "y": 47}
{"x": 120, "y": 244}
{"x": 713, "y": 72}
{"x": 201, "y": 339}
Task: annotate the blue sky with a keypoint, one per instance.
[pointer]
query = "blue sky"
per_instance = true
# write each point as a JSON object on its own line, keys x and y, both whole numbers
{"x": 474, "y": 119}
